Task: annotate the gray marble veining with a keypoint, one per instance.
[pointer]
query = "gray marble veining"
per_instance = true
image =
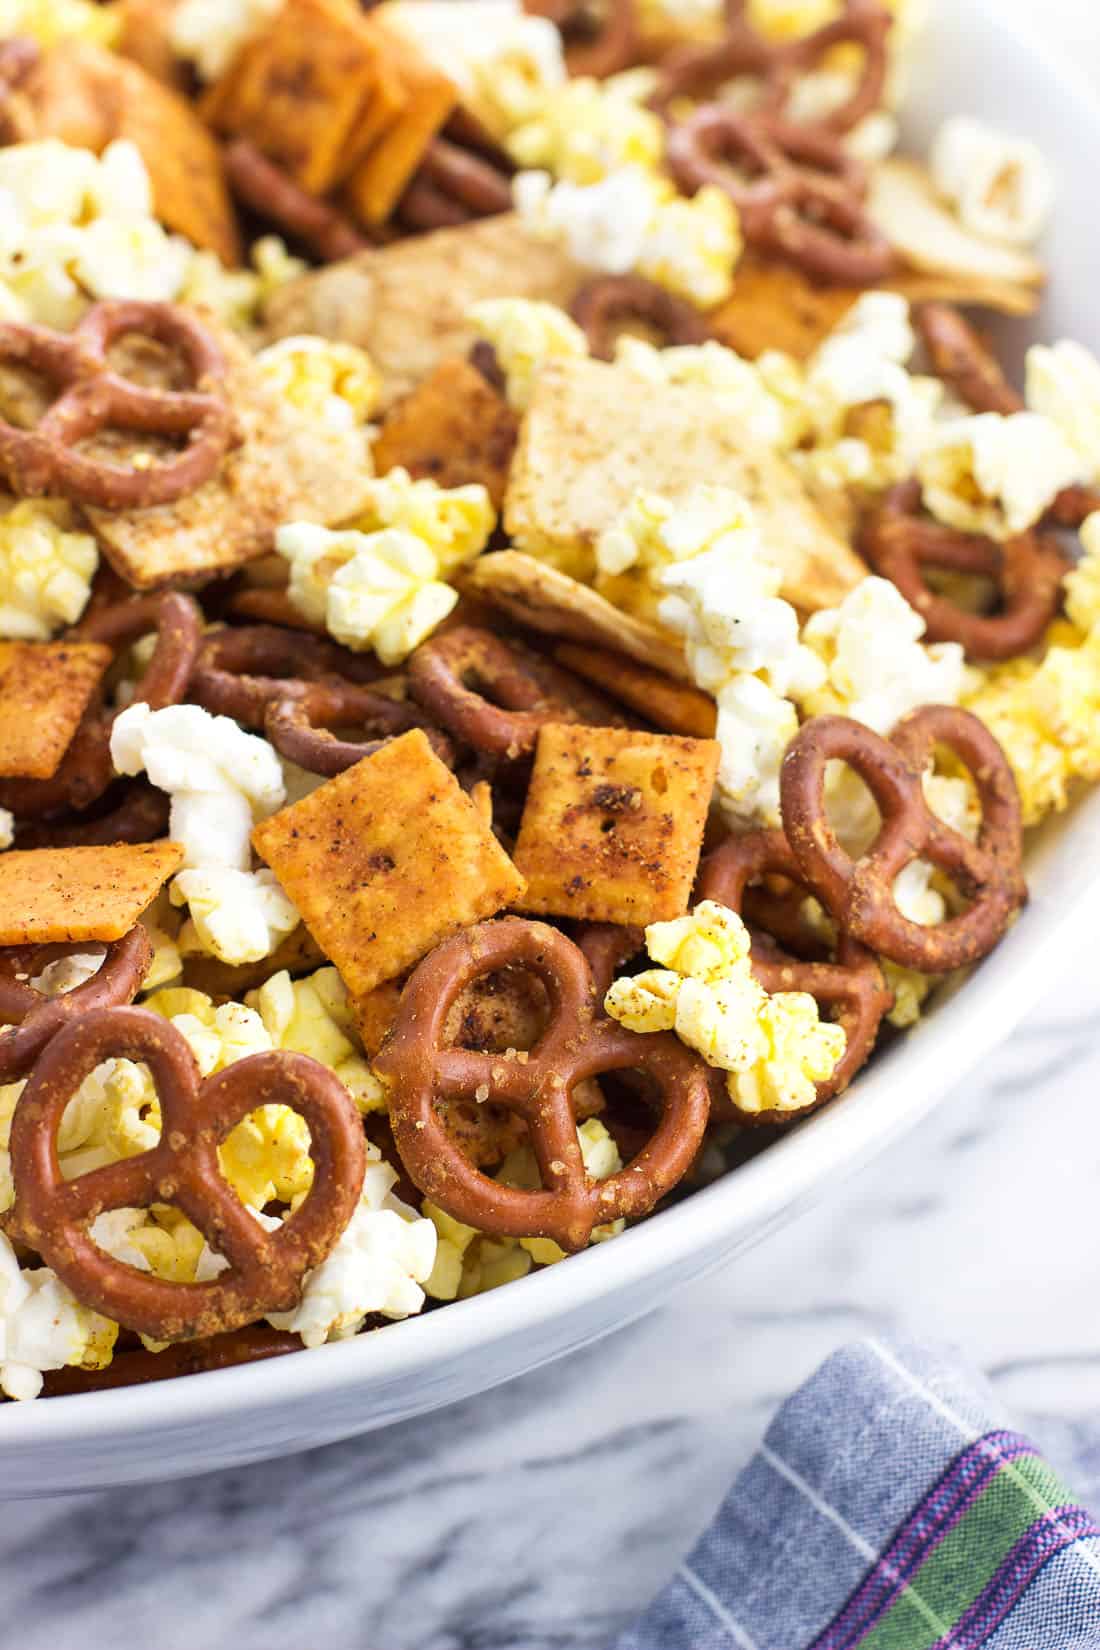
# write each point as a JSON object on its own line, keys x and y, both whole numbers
{"x": 540, "y": 1516}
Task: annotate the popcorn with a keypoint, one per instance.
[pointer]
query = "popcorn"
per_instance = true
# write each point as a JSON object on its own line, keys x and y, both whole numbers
{"x": 1082, "y": 583}
{"x": 876, "y": 668}
{"x": 332, "y": 381}
{"x": 1063, "y": 385}
{"x": 312, "y": 1016}
{"x": 996, "y": 475}
{"x": 765, "y": 396}
{"x": 220, "y": 778}
{"x": 50, "y": 21}
{"x": 238, "y": 296}
{"x": 775, "y": 1048}
{"x": 43, "y": 1326}
{"x": 634, "y": 220}
{"x": 910, "y": 989}
{"x": 588, "y": 128}
{"x": 210, "y": 33}
{"x": 525, "y": 334}
{"x": 380, "y": 1262}
{"x": 1000, "y": 186}
{"x": 7, "y": 828}
{"x": 46, "y": 569}
{"x": 238, "y": 916}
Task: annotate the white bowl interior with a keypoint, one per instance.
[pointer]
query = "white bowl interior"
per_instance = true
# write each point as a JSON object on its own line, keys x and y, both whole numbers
{"x": 194, "y": 1425}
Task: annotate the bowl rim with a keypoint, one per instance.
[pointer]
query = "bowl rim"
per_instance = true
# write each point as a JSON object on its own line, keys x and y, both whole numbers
{"x": 751, "y": 1200}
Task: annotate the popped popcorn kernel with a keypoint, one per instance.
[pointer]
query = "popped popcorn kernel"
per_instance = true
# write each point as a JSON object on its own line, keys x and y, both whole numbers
{"x": 1000, "y": 186}
{"x": 1063, "y": 385}
{"x": 996, "y": 475}
{"x": 46, "y": 569}
{"x": 526, "y": 334}
{"x": 329, "y": 380}
{"x": 587, "y": 128}
{"x": 800, "y": 1051}
{"x": 237, "y": 916}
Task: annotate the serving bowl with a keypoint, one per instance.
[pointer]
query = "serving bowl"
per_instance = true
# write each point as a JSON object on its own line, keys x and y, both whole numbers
{"x": 970, "y": 61}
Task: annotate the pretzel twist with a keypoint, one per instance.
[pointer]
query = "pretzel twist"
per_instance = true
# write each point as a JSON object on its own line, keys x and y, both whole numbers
{"x": 453, "y": 185}
{"x": 612, "y": 44}
{"x": 538, "y": 1085}
{"x": 95, "y": 398}
{"x": 33, "y": 1018}
{"x": 266, "y": 190}
{"x": 265, "y": 1269}
{"x": 241, "y": 671}
{"x": 859, "y": 894}
{"x": 603, "y": 306}
{"x": 298, "y": 728}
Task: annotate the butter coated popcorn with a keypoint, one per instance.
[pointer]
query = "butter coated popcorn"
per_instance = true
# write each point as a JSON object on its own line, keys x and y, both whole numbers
{"x": 46, "y": 569}
{"x": 1001, "y": 186}
{"x": 239, "y": 916}
{"x": 1063, "y": 385}
{"x": 50, "y": 21}
{"x": 312, "y": 1016}
{"x": 43, "y": 1326}
{"x": 334, "y": 381}
{"x": 996, "y": 475}
{"x": 588, "y": 128}
{"x": 525, "y": 334}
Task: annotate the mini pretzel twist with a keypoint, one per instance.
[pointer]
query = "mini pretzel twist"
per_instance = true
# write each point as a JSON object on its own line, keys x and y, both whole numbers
{"x": 240, "y": 672}
{"x": 240, "y": 1346}
{"x": 962, "y": 358}
{"x": 900, "y": 542}
{"x": 454, "y": 185}
{"x": 496, "y": 696}
{"x": 266, "y": 1269}
{"x": 298, "y": 728}
{"x": 596, "y": 46}
{"x": 260, "y": 186}
{"x": 86, "y": 769}
{"x": 805, "y": 201}
{"x": 136, "y": 812}
{"x": 33, "y": 1017}
{"x": 603, "y": 306}
{"x": 850, "y": 987}
{"x": 94, "y": 398}
{"x": 859, "y": 894}
{"x": 538, "y": 1085}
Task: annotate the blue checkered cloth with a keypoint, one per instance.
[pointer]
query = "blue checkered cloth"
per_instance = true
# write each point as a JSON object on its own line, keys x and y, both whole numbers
{"x": 890, "y": 1507}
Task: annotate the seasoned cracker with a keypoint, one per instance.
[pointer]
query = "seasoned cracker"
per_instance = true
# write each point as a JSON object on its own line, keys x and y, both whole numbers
{"x": 589, "y": 439}
{"x": 45, "y": 688}
{"x": 613, "y": 825}
{"x": 145, "y": 35}
{"x": 68, "y": 895}
{"x": 387, "y": 860}
{"x": 453, "y": 428}
{"x": 407, "y": 304}
{"x": 383, "y": 175}
{"x": 539, "y": 596}
{"x": 374, "y": 1013}
{"x": 287, "y": 467}
{"x": 675, "y": 707}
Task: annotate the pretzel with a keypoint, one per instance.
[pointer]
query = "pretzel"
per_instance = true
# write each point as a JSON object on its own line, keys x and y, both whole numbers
{"x": 140, "y": 814}
{"x": 538, "y": 1085}
{"x": 94, "y": 398}
{"x": 137, "y": 1368}
{"x": 265, "y": 1271}
{"x": 602, "y": 307}
{"x": 263, "y": 188}
{"x": 850, "y": 986}
{"x": 296, "y": 727}
{"x": 496, "y": 696}
{"x": 805, "y": 201}
{"x": 900, "y": 542}
{"x": 36, "y": 1017}
{"x": 962, "y": 358}
{"x": 86, "y": 769}
{"x": 453, "y": 185}
{"x": 613, "y": 44}
{"x": 858, "y": 894}
{"x": 240, "y": 672}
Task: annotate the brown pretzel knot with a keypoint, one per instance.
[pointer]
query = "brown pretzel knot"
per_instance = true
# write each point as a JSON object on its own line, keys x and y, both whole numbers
{"x": 538, "y": 1085}
{"x": 86, "y": 769}
{"x": 454, "y": 185}
{"x": 137, "y": 1368}
{"x": 859, "y": 894}
{"x": 136, "y": 812}
{"x": 298, "y": 728}
{"x": 265, "y": 1272}
{"x": 699, "y": 71}
{"x": 805, "y": 199}
{"x": 602, "y": 307}
{"x": 33, "y": 1018}
{"x": 260, "y": 186}
{"x": 900, "y": 542}
{"x": 240, "y": 672}
{"x": 595, "y": 45}
{"x": 495, "y": 696}
{"x": 962, "y": 358}
{"x": 850, "y": 987}
{"x": 95, "y": 398}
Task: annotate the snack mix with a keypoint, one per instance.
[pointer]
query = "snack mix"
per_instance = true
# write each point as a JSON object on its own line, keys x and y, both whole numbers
{"x": 534, "y": 624}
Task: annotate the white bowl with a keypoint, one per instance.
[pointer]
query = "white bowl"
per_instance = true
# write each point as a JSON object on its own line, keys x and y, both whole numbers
{"x": 971, "y": 62}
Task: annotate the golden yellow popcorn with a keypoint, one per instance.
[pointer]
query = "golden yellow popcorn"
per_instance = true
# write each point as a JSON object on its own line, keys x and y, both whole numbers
{"x": 1082, "y": 585}
{"x": 46, "y": 569}
{"x": 525, "y": 334}
{"x": 454, "y": 522}
{"x": 333, "y": 381}
{"x": 588, "y": 128}
{"x": 312, "y": 1016}
{"x": 707, "y": 945}
{"x": 800, "y": 1050}
{"x": 51, "y": 21}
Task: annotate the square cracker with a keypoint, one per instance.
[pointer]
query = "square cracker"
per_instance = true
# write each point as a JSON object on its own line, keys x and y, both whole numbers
{"x": 287, "y": 467}
{"x": 386, "y": 860}
{"x": 452, "y": 428}
{"x": 45, "y": 688}
{"x": 383, "y": 175}
{"x": 613, "y": 824}
{"x": 407, "y": 304}
{"x": 55, "y": 895}
{"x": 589, "y": 439}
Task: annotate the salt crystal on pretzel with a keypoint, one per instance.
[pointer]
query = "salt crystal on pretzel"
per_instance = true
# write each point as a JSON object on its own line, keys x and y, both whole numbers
{"x": 408, "y": 304}
{"x": 588, "y": 440}
{"x": 50, "y": 895}
{"x": 454, "y": 428}
{"x": 45, "y": 688}
{"x": 386, "y": 860}
{"x": 613, "y": 824}
{"x": 287, "y": 467}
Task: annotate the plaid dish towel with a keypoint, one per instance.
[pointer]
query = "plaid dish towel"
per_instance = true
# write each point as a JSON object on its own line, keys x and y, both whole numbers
{"x": 887, "y": 1509}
